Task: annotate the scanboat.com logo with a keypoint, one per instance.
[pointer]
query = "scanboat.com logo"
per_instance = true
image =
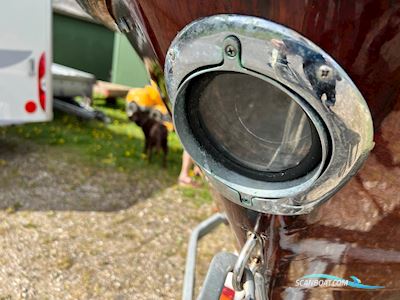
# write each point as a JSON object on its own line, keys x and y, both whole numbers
{"x": 325, "y": 280}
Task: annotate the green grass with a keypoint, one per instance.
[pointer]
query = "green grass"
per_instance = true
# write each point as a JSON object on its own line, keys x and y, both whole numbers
{"x": 118, "y": 145}
{"x": 198, "y": 196}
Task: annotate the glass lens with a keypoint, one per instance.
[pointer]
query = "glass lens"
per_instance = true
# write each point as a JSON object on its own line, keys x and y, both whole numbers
{"x": 253, "y": 122}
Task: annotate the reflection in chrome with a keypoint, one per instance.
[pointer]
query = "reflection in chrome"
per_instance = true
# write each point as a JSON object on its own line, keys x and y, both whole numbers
{"x": 311, "y": 79}
{"x": 319, "y": 74}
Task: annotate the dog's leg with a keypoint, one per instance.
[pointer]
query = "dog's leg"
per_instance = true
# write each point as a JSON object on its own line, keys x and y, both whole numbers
{"x": 146, "y": 145}
{"x": 149, "y": 152}
{"x": 165, "y": 150}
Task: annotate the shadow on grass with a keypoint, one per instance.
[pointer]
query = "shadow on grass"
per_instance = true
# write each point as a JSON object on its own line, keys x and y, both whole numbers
{"x": 69, "y": 164}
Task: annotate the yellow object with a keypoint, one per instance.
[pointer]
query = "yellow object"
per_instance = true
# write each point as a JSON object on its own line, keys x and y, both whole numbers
{"x": 147, "y": 97}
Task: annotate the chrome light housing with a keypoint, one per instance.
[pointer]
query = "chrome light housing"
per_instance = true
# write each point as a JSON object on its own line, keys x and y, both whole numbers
{"x": 276, "y": 124}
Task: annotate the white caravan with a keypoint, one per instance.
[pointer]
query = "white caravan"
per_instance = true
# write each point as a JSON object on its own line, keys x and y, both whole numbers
{"x": 25, "y": 61}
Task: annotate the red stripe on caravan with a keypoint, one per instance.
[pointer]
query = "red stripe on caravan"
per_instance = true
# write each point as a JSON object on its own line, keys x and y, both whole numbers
{"x": 41, "y": 81}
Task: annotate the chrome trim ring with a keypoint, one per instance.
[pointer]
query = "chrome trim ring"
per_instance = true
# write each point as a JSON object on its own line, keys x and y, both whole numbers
{"x": 289, "y": 61}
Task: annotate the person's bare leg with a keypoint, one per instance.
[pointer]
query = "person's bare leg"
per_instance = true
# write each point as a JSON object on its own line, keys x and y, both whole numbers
{"x": 187, "y": 163}
{"x": 197, "y": 171}
{"x": 184, "y": 179}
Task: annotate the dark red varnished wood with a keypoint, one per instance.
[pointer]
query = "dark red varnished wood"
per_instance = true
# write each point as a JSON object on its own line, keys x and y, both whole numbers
{"x": 357, "y": 231}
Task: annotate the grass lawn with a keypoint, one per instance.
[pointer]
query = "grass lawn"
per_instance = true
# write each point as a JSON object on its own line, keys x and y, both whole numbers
{"x": 117, "y": 146}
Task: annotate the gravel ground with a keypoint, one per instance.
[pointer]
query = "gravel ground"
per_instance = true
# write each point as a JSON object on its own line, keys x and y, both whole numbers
{"x": 70, "y": 230}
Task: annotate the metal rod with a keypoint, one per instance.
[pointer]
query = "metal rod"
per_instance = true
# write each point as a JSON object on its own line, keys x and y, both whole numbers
{"x": 190, "y": 269}
{"x": 242, "y": 261}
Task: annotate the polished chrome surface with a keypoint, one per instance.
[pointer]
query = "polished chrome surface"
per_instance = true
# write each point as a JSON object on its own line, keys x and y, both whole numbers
{"x": 295, "y": 65}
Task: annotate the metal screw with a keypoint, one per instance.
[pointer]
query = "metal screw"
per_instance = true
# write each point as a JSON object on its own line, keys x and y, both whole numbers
{"x": 324, "y": 73}
{"x": 245, "y": 200}
{"x": 230, "y": 51}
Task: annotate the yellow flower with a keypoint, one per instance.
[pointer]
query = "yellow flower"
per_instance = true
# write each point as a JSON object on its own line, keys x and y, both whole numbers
{"x": 108, "y": 161}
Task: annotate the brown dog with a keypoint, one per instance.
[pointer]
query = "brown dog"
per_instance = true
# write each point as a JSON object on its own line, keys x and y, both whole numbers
{"x": 155, "y": 133}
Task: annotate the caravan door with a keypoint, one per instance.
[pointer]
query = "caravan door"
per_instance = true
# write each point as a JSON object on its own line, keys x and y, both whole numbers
{"x": 25, "y": 61}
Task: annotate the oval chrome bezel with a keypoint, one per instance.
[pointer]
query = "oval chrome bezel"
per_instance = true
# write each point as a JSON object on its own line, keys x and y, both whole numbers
{"x": 199, "y": 48}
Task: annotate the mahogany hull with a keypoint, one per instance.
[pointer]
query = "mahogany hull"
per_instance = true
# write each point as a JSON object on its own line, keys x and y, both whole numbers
{"x": 356, "y": 233}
